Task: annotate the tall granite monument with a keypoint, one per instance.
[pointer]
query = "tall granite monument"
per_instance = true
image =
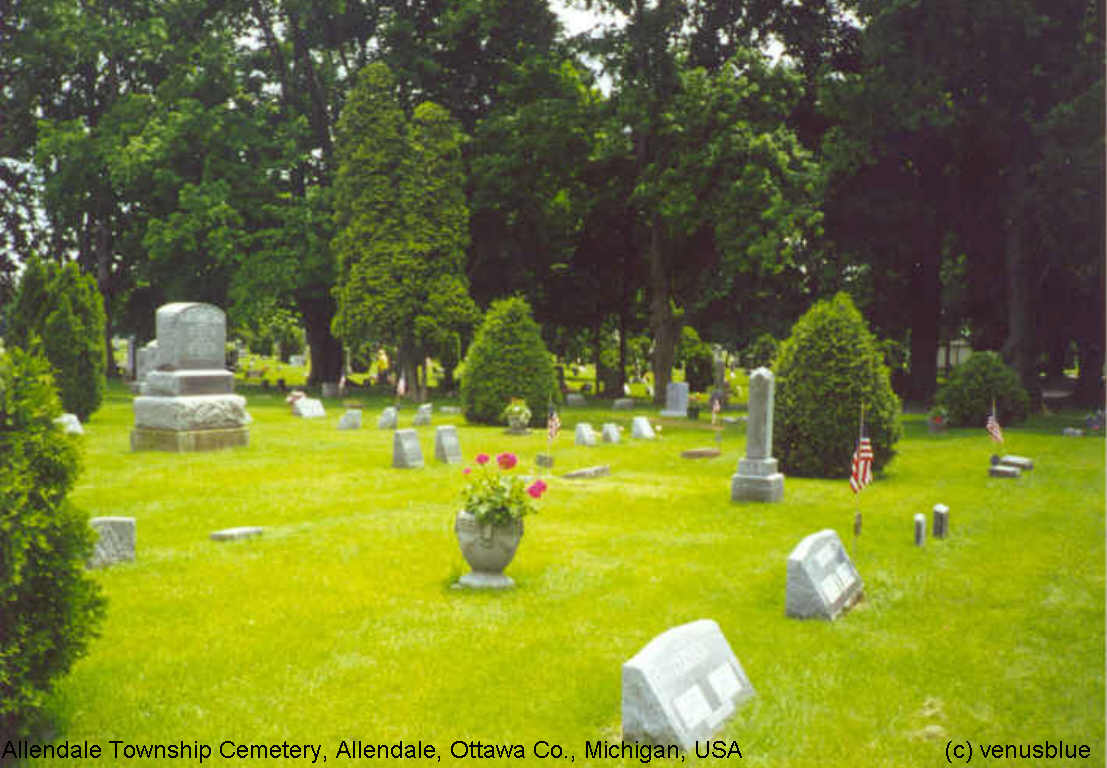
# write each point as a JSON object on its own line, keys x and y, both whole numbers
{"x": 757, "y": 478}
{"x": 187, "y": 401}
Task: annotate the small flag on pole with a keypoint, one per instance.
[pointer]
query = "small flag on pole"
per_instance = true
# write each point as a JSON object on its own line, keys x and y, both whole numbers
{"x": 862, "y": 467}
{"x": 993, "y": 426}
{"x": 401, "y": 386}
{"x": 553, "y": 423}
{"x": 715, "y": 406}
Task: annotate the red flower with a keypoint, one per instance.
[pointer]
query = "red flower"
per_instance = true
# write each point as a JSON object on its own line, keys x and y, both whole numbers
{"x": 482, "y": 458}
{"x": 466, "y": 471}
{"x": 506, "y": 460}
{"x": 536, "y": 489}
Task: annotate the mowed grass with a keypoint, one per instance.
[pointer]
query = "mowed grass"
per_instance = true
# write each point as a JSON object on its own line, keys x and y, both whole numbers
{"x": 339, "y": 623}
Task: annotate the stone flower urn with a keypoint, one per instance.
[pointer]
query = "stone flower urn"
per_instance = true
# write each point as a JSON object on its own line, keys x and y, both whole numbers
{"x": 488, "y": 549}
{"x": 517, "y": 424}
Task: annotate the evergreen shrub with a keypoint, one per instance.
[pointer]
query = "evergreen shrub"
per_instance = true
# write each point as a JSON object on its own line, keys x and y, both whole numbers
{"x": 825, "y": 370}
{"x": 49, "y": 608}
{"x": 698, "y": 360}
{"x": 971, "y": 387}
{"x": 507, "y": 359}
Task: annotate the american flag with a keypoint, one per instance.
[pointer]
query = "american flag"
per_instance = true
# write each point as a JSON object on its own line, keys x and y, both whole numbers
{"x": 993, "y": 427}
{"x": 715, "y": 406}
{"x": 862, "y": 473}
{"x": 553, "y": 423}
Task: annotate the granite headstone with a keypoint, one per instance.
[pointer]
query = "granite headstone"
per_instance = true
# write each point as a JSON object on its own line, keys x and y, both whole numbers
{"x": 822, "y": 582}
{"x": 757, "y": 478}
{"x": 585, "y": 435}
{"x": 406, "y": 453}
{"x": 676, "y": 399}
{"x": 388, "y": 418}
{"x": 115, "y": 541}
{"x": 640, "y": 428}
{"x": 447, "y": 448}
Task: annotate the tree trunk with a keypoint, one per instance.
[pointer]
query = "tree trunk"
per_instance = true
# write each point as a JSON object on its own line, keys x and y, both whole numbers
{"x": 621, "y": 379}
{"x": 326, "y": 351}
{"x": 662, "y": 322}
{"x": 926, "y": 292}
{"x": 1020, "y": 347}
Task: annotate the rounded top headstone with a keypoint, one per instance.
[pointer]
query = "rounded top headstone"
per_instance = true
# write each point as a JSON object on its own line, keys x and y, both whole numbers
{"x": 191, "y": 335}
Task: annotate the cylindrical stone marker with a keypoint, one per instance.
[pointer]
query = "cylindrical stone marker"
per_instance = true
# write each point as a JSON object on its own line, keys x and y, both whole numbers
{"x": 920, "y": 529}
{"x": 759, "y": 426}
{"x": 941, "y": 521}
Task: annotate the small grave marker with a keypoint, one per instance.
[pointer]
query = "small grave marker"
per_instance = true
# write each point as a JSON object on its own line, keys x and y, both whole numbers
{"x": 1021, "y": 462}
{"x": 700, "y": 453}
{"x": 587, "y": 472}
{"x": 351, "y": 419}
{"x": 70, "y": 424}
{"x": 447, "y": 448}
{"x": 640, "y": 428}
{"x": 423, "y": 415}
{"x": 822, "y": 581}
{"x": 585, "y": 435}
{"x": 406, "y": 453}
{"x": 387, "y": 418}
{"x": 941, "y": 521}
{"x": 623, "y": 403}
{"x": 234, "y": 534}
{"x": 308, "y": 408}
{"x": 115, "y": 541}
{"x": 574, "y": 399}
{"x": 610, "y": 433}
{"x": 1002, "y": 470}
{"x": 920, "y": 529}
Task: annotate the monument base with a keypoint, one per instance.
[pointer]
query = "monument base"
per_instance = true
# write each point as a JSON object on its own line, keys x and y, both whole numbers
{"x": 484, "y": 580}
{"x": 757, "y": 487}
{"x": 185, "y": 441}
{"x": 675, "y": 414}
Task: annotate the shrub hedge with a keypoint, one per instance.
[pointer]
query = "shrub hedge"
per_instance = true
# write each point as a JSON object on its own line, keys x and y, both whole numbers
{"x": 968, "y": 392}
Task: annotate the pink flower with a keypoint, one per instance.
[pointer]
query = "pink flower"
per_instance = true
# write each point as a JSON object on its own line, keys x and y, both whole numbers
{"x": 482, "y": 458}
{"x": 466, "y": 471}
{"x": 536, "y": 489}
{"x": 506, "y": 460}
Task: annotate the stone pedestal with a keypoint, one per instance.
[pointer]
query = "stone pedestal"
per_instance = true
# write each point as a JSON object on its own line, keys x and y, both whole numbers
{"x": 757, "y": 478}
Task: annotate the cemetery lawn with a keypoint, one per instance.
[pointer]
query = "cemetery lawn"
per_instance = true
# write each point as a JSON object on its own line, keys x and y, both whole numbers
{"x": 339, "y": 623}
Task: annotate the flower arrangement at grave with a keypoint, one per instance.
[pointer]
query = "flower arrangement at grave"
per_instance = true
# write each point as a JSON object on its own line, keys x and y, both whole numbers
{"x": 938, "y": 418}
{"x": 516, "y": 414}
{"x": 493, "y": 497}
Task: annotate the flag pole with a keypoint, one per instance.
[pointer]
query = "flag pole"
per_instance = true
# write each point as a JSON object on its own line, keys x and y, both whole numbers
{"x": 857, "y": 517}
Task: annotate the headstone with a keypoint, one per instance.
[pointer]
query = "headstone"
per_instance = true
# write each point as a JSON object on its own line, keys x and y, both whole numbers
{"x": 676, "y": 399}
{"x": 298, "y": 361}
{"x": 187, "y": 401}
{"x": 132, "y": 357}
{"x": 330, "y": 389}
{"x": 757, "y": 478}
{"x": 682, "y": 686}
{"x": 610, "y": 433}
{"x": 1002, "y": 470}
{"x": 387, "y": 418}
{"x": 70, "y": 424}
{"x": 406, "y": 453}
{"x": 623, "y": 403}
{"x": 601, "y": 471}
{"x": 544, "y": 460}
{"x": 1072, "y": 432}
{"x": 700, "y": 453}
{"x": 941, "y": 521}
{"x": 146, "y": 360}
{"x": 234, "y": 534}
{"x": 640, "y": 428}
{"x": 423, "y": 415}
{"x": 822, "y": 581}
{"x": 585, "y": 435}
{"x": 308, "y": 408}
{"x": 351, "y": 419}
{"x": 920, "y": 529}
{"x": 447, "y": 448}
{"x": 1021, "y": 462}
{"x": 115, "y": 541}
{"x": 450, "y": 409}
{"x": 574, "y": 399}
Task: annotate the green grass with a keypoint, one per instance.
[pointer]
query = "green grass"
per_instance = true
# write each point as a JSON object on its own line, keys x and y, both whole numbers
{"x": 339, "y": 623}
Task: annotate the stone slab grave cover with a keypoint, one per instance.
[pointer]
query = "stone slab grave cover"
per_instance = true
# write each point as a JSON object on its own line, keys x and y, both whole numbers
{"x": 757, "y": 478}
{"x": 640, "y": 428}
{"x": 309, "y": 408}
{"x": 610, "y": 433}
{"x": 423, "y": 415}
{"x": 388, "y": 418}
{"x": 822, "y": 582}
{"x": 187, "y": 401}
{"x": 700, "y": 453}
{"x": 351, "y": 419}
{"x": 1002, "y": 470}
{"x": 941, "y": 521}
{"x": 676, "y": 399}
{"x": 70, "y": 424}
{"x": 623, "y": 403}
{"x": 584, "y": 434}
{"x": 1021, "y": 462}
{"x": 682, "y": 686}
{"x": 406, "y": 453}
{"x": 601, "y": 471}
{"x": 447, "y": 448}
{"x": 115, "y": 541}
{"x": 236, "y": 533}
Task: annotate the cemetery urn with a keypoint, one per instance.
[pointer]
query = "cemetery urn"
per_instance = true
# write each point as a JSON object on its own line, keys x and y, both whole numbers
{"x": 486, "y": 547}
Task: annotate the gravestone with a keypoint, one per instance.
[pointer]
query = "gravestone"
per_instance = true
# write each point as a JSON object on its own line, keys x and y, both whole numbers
{"x": 1021, "y": 462}
{"x": 70, "y": 424}
{"x": 387, "y": 418}
{"x": 351, "y": 419}
{"x": 640, "y": 428}
{"x": 115, "y": 541}
{"x": 544, "y": 460}
{"x": 682, "y": 686}
{"x": 423, "y": 415}
{"x": 187, "y": 401}
{"x": 331, "y": 389}
{"x": 700, "y": 453}
{"x": 676, "y": 399}
{"x": 132, "y": 357}
{"x": 234, "y": 534}
{"x": 610, "y": 433}
{"x": 585, "y": 435}
{"x": 1072, "y": 432}
{"x": 1002, "y": 470}
{"x": 757, "y": 478}
{"x": 587, "y": 472}
{"x": 623, "y": 403}
{"x": 146, "y": 360}
{"x": 450, "y": 409}
{"x": 574, "y": 399}
{"x": 920, "y": 529}
{"x": 822, "y": 582}
{"x": 308, "y": 408}
{"x": 447, "y": 448}
{"x": 406, "y": 453}
{"x": 941, "y": 521}
{"x": 297, "y": 360}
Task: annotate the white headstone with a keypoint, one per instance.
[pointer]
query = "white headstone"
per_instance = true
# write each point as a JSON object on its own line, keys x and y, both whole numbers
{"x": 623, "y": 403}
{"x": 447, "y": 448}
{"x": 406, "y": 453}
{"x": 640, "y": 428}
{"x": 682, "y": 686}
{"x": 308, "y": 408}
{"x": 610, "y": 433}
{"x": 822, "y": 582}
{"x": 331, "y": 389}
{"x": 574, "y": 399}
{"x": 70, "y": 424}
{"x": 423, "y": 415}
{"x": 676, "y": 399}
{"x": 585, "y": 435}
{"x": 1072, "y": 432}
{"x": 115, "y": 541}
{"x": 351, "y": 419}
{"x": 387, "y": 418}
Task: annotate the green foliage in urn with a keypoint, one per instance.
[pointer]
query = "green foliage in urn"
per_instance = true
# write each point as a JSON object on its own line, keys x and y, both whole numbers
{"x": 973, "y": 386}
{"x": 825, "y": 371}
{"x": 492, "y": 496}
{"x": 507, "y": 359}
{"x": 49, "y": 608}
